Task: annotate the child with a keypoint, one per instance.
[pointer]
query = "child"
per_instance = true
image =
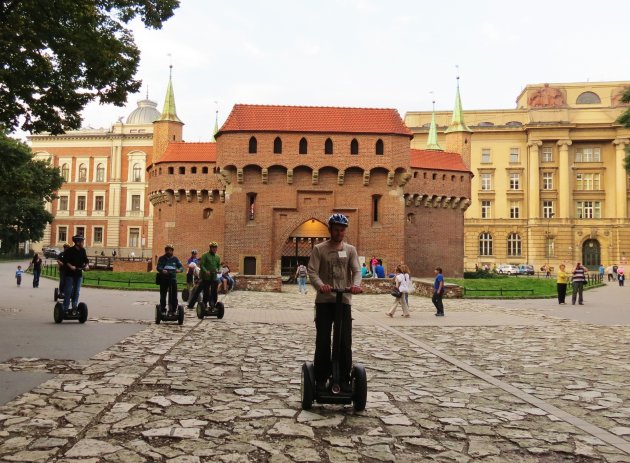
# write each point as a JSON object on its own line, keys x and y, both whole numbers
{"x": 226, "y": 280}
{"x": 18, "y": 275}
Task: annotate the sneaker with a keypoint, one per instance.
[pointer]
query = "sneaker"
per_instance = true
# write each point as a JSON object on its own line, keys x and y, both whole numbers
{"x": 406, "y": 315}
{"x": 389, "y": 315}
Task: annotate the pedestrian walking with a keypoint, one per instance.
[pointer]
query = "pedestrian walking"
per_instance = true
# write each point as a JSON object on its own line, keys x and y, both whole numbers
{"x": 602, "y": 269}
{"x": 402, "y": 280}
{"x": 615, "y": 268}
{"x": 36, "y": 264}
{"x": 18, "y": 275}
{"x": 609, "y": 273}
{"x": 300, "y": 275}
{"x": 621, "y": 276}
{"x": 578, "y": 280}
{"x": 562, "y": 279}
{"x": 438, "y": 292}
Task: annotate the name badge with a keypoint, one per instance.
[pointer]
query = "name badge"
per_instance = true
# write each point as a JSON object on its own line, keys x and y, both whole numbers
{"x": 342, "y": 254}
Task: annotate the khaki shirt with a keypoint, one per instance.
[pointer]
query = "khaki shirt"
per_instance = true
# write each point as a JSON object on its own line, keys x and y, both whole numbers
{"x": 338, "y": 268}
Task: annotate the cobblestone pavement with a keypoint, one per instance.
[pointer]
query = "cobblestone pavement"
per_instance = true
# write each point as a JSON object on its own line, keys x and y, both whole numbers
{"x": 483, "y": 384}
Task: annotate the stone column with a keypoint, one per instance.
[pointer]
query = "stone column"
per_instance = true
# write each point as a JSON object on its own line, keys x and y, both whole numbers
{"x": 621, "y": 199}
{"x": 564, "y": 183}
{"x": 534, "y": 179}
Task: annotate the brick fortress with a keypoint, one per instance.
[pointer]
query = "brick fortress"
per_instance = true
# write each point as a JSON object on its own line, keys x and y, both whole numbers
{"x": 266, "y": 187}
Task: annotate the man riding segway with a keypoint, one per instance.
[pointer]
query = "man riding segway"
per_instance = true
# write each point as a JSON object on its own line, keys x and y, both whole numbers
{"x": 335, "y": 273}
{"x": 210, "y": 267}
{"x": 168, "y": 266}
{"x": 75, "y": 261}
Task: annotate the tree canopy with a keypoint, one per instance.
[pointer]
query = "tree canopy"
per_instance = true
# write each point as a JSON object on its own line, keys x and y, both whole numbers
{"x": 56, "y": 56}
{"x": 26, "y": 186}
{"x": 625, "y": 120}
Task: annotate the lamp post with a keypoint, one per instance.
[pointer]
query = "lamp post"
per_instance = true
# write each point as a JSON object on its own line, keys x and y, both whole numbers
{"x": 551, "y": 214}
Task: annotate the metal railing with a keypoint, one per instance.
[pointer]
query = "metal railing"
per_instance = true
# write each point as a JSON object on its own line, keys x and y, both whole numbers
{"x": 499, "y": 290}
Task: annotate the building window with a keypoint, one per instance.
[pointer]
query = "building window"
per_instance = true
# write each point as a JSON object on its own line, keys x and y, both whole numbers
{"x": 354, "y": 146}
{"x": 171, "y": 170}
{"x": 588, "y": 98}
{"x": 547, "y": 154}
{"x": 547, "y": 181}
{"x": 376, "y": 199}
{"x": 485, "y": 244}
{"x": 207, "y": 213}
{"x": 589, "y": 210}
{"x": 548, "y": 209}
{"x": 182, "y": 170}
{"x": 514, "y": 155}
{"x": 303, "y": 146}
{"x": 135, "y": 202}
{"x": 515, "y": 181}
{"x": 63, "y": 203}
{"x": 253, "y": 145}
{"x": 99, "y": 203}
{"x": 587, "y": 155}
{"x": 62, "y": 234}
{"x": 98, "y": 235}
{"x": 204, "y": 170}
{"x": 514, "y": 245}
{"x": 82, "y": 173}
{"x": 587, "y": 182}
{"x": 485, "y": 156}
{"x": 486, "y": 182}
{"x": 277, "y": 146}
{"x": 515, "y": 210}
{"x": 134, "y": 237}
{"x": 328, "y": 146}
{"x": 379, "y": 147}
{"x": 80, "y": 231}
{"x": 193, "y": 170}
{"x": 137, "y": 173}
{"x": 65, "y": 172}
{"x": 486, "y": 209}
{"x": 100, "y": 173}
{"x": 251, "y": 206}
{"x": 80, "y": 203}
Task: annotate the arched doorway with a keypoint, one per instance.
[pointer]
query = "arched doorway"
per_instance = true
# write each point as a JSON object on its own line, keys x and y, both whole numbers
{"x": 591, "y": 254}
{"x": 297, "y": 249}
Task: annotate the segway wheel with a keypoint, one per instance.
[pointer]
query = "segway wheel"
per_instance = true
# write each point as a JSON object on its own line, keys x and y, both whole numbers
{"x": 359, "y": 387}
{"x": 58, "y": 312}
{"x": 220, "y": 308}
{"x": 56, "y": 294}
{"x": 180, "y": 314}
{"x": 83, "y": 312}
{"x": 158, "y": 314}
{"x": 307, "y": 386}
{"x": 201, "y": 311}
{"x": 185, "y": 294}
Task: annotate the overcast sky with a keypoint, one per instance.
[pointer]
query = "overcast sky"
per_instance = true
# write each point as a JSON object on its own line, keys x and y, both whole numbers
{"x": 369, "y": 53}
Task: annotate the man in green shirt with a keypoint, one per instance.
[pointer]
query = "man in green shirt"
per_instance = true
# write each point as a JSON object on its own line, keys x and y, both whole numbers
{"x": 210, "y": 269}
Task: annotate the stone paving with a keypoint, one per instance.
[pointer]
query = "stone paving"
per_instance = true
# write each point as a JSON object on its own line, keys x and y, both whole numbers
{"x": 228, "y": 390}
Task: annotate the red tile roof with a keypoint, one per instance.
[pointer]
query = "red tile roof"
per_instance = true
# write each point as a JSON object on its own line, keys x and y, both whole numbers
{"x": 438, "y": 160}
{"x": 267, "y": 118}
{"x": 190, "y": 152}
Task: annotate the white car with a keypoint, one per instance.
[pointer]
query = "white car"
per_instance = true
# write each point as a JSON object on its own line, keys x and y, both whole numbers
{"x": 507, "y": 269}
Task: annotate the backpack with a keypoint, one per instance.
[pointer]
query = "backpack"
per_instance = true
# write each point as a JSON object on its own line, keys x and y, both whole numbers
{"x": 302, "y": 271}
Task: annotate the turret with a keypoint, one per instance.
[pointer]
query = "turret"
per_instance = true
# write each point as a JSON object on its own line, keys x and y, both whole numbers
{"x": 458, "y": 135}
{"x": 168, "y": 128}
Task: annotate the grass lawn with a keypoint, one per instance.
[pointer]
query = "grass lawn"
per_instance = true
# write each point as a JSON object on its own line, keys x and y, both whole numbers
{"x": 509, "y": 287}
{"x": 125, "y": 280}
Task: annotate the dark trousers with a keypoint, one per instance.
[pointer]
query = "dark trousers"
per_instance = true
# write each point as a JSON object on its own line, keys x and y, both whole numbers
{"x": 165, "y": 285}
{"x": 324, "y": 320}
{"x": 562, "y": 292}
{"x": 437, "y": 302}
{"x": 36, "y": 274}
{"x": 578, "y": 288}
{"x": 19, "y": 280}
{"x": 209, "y": 290}
{"x": 62, "y": 277}
{"x": 621, "y": 279}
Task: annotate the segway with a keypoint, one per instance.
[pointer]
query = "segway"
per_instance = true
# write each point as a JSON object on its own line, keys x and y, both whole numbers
{"x": 216, "y": 308}
{"x": 80, "y": 312}
{"x": 173, "y": 313}
{"x": 58, "y": 293}
{"x": 334, "y": 394}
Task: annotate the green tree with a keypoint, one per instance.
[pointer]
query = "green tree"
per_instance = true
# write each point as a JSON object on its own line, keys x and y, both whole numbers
{"x": 56, "y": 56}
{"x": 624, "y": 119}
{"x": 26, "y": 186}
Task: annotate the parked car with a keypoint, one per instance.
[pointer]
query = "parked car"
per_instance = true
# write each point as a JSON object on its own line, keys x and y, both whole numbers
{"x": 51, "y": 253}
{"x": 526, "y": 269}
{"x": 507, "y": 269}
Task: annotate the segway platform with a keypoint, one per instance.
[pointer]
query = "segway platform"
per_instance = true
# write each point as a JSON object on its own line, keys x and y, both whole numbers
{"x": 79, "y": 313}
{"x": 174, "y": 316}
{"x": 58, "y": 295}
{"x": 218, "y": 310}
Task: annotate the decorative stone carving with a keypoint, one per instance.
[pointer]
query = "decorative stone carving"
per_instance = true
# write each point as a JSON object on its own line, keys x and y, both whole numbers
{"x": 455, "y": 202}
{"x": 446, "y": 202}
{"x": 315, "y": 177}
{"x": 341, "y": 177}
{"x": 265, "y": 175}
{"x": 188, "y": 196}
{"x": 465, "y": 204}
{"x": 390, "y": 178}
{"x": 404, "y": 178}
{"x": 289, "y": 176}
{"x": 200, "y": 196}
{"x": 546, "y": 97}
{"x": 222, "y": 195}
{"x": 418, "y": 200}
{"x": 239, "y": 175}
{"x": 436, "y": 201}
{"x": 408, "y": 200}
{"x": 177, "y": 194}
{"x": 211, "y": 196}
{"x": 427, "y": 200}
{"x": 366, "y": 178}
{"x": 225, "y": 174}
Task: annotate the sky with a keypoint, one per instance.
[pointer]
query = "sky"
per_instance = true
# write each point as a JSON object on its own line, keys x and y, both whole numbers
{"x": 370, "y": 53}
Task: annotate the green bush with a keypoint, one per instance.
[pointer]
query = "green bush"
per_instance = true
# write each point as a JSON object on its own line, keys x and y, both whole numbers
{"x": 482, "y": 274}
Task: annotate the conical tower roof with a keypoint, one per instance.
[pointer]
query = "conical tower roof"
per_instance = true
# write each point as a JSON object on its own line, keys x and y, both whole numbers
{"x": 216, "y": 125}
{"x": 169, "y": 113}
{"x": 432, "y": 140}
{"x": 458, "y": 124}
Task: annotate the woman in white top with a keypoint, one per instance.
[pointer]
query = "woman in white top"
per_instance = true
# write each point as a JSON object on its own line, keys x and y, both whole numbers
{"x": 403, "y": 283}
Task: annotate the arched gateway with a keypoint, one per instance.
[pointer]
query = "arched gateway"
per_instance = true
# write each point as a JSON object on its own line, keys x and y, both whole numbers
{"x": 591, "y": 254}
{"x": 298, "y": 246}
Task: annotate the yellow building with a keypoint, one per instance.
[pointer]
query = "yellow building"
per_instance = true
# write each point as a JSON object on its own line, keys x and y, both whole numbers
{"x": 549, "y": 185}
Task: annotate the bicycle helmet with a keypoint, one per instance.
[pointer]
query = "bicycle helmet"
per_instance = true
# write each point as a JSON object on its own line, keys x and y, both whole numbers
{"x": 169, "y": 246}
{"x": 338, "y": 219}
{"x": 214, "y": 244}
{"x": 77, "y": 238}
